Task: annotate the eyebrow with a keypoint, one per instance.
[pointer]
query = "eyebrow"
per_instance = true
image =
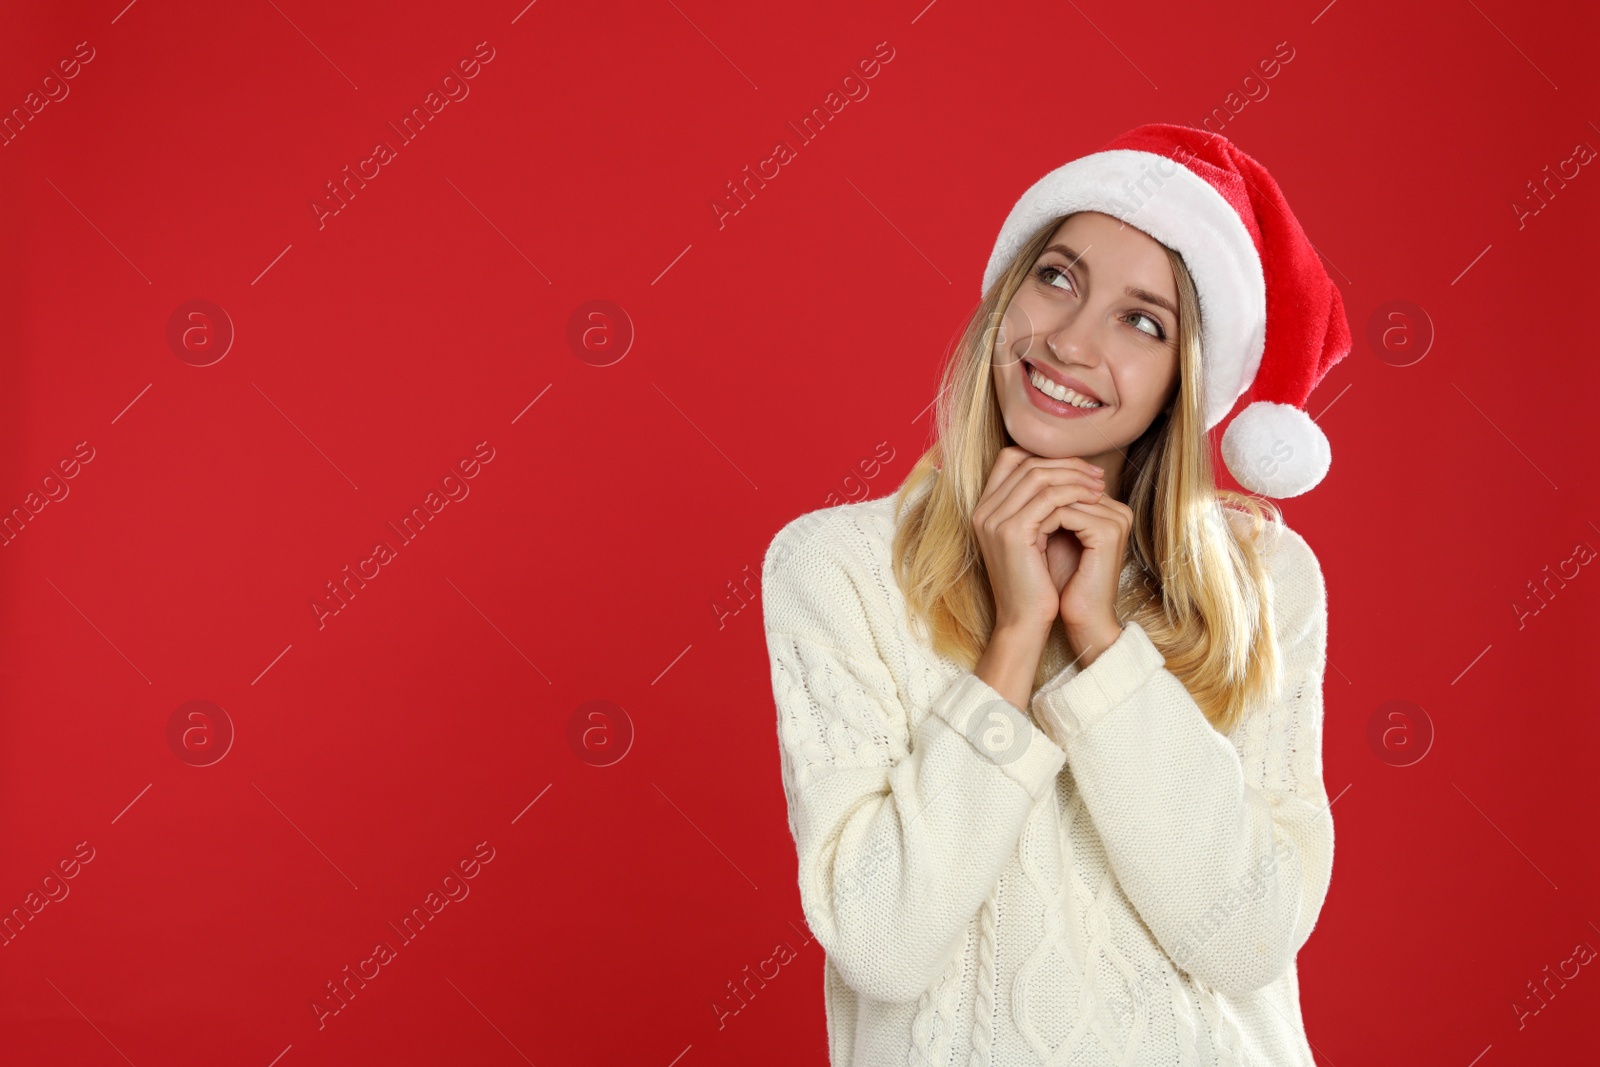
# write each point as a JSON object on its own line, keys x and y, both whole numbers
{"x": 1134, "y": 291}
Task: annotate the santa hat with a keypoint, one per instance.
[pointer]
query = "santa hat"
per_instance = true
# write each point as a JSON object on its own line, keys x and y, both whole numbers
{"x": 1270, "y": 317}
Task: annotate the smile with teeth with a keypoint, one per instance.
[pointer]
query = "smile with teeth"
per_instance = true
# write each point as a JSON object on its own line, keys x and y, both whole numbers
{"x": 1060, "y": 392}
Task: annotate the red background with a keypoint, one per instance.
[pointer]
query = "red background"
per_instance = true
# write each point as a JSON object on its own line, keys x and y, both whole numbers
{"x": 611, "y": 548}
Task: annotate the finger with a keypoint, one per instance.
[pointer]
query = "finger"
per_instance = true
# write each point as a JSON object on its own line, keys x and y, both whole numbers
{"x": 1119, "y": 511}
{"x": 1031, "y": 462}
{"x": 1094, "y": 523}
{"x": 1032, "y": 517}
{"x": 1010, "y": 468}
{"x": 1121, "y": 508}
{"x": 1004, "y": 464}
{"x": 1033, "y": 485}
{"x": 1028, "y": 483}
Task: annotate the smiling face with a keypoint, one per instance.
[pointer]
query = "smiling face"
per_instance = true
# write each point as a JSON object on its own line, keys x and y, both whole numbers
{"x": 1096, "y": 316}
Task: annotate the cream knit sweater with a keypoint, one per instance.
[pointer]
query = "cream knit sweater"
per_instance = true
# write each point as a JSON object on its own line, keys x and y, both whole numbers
{"x": 1125, "y": 885}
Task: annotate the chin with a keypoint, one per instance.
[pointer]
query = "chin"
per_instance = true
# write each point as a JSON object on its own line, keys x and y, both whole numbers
{"x": 1042, "y": 434}
{"x": 1050, "y": 446}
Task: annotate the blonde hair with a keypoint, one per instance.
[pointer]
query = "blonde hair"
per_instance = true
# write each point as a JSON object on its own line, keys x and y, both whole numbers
{"x": 1205, "y": 598}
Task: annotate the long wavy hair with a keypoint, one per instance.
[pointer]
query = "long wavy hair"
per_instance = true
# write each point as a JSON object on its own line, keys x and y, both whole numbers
{"x": 1204, "y": 596}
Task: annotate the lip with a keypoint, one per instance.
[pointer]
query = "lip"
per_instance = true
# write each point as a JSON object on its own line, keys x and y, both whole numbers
{"x": 1060, "y": 379}
{"x": 1050, "y": 405}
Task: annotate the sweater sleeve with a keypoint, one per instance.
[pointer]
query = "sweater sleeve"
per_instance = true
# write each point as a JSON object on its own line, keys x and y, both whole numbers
{"x": 900, "y": 832}
{"x": 1224, "y": 845}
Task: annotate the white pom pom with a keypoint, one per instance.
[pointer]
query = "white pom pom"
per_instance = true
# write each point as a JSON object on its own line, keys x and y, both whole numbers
{"x": 1275, "y": 450}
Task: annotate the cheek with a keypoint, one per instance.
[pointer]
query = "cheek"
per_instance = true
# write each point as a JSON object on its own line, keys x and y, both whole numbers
{"x": 1012, "y": 326}
{"x": 1169, "y": 379}
{"x": 1020, "y": 317}
{"x": 1009, "y": 339}
{"x": 1150, "y": 381}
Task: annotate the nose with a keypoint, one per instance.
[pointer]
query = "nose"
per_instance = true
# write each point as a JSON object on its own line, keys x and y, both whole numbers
{"x": 1076, "y": 339}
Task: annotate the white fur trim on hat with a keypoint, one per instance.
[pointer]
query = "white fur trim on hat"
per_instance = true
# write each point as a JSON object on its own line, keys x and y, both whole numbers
{"x": 1276, "y": 450}
{"x": 1177, "y": 207}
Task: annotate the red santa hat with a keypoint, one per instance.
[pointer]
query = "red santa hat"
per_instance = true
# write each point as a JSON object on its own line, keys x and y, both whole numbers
{"x": 1270, "y": 317}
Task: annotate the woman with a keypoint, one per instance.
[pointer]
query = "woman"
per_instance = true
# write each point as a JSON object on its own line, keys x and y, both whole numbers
{"x": 1050, "y": 716}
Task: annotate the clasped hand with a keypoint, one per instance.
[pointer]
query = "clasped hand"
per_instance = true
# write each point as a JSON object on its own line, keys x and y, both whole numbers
{"x": 1054, "y": 544}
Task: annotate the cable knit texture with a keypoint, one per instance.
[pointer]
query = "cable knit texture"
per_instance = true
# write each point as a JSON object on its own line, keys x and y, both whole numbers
{"x": 1103, "y": 880}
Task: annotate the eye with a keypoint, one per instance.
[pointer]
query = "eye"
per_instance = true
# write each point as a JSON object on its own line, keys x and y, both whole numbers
{"x": 1160, "y": 334}
{"x": 1043, "y": 274}
{"x": 1048, "y": 274}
